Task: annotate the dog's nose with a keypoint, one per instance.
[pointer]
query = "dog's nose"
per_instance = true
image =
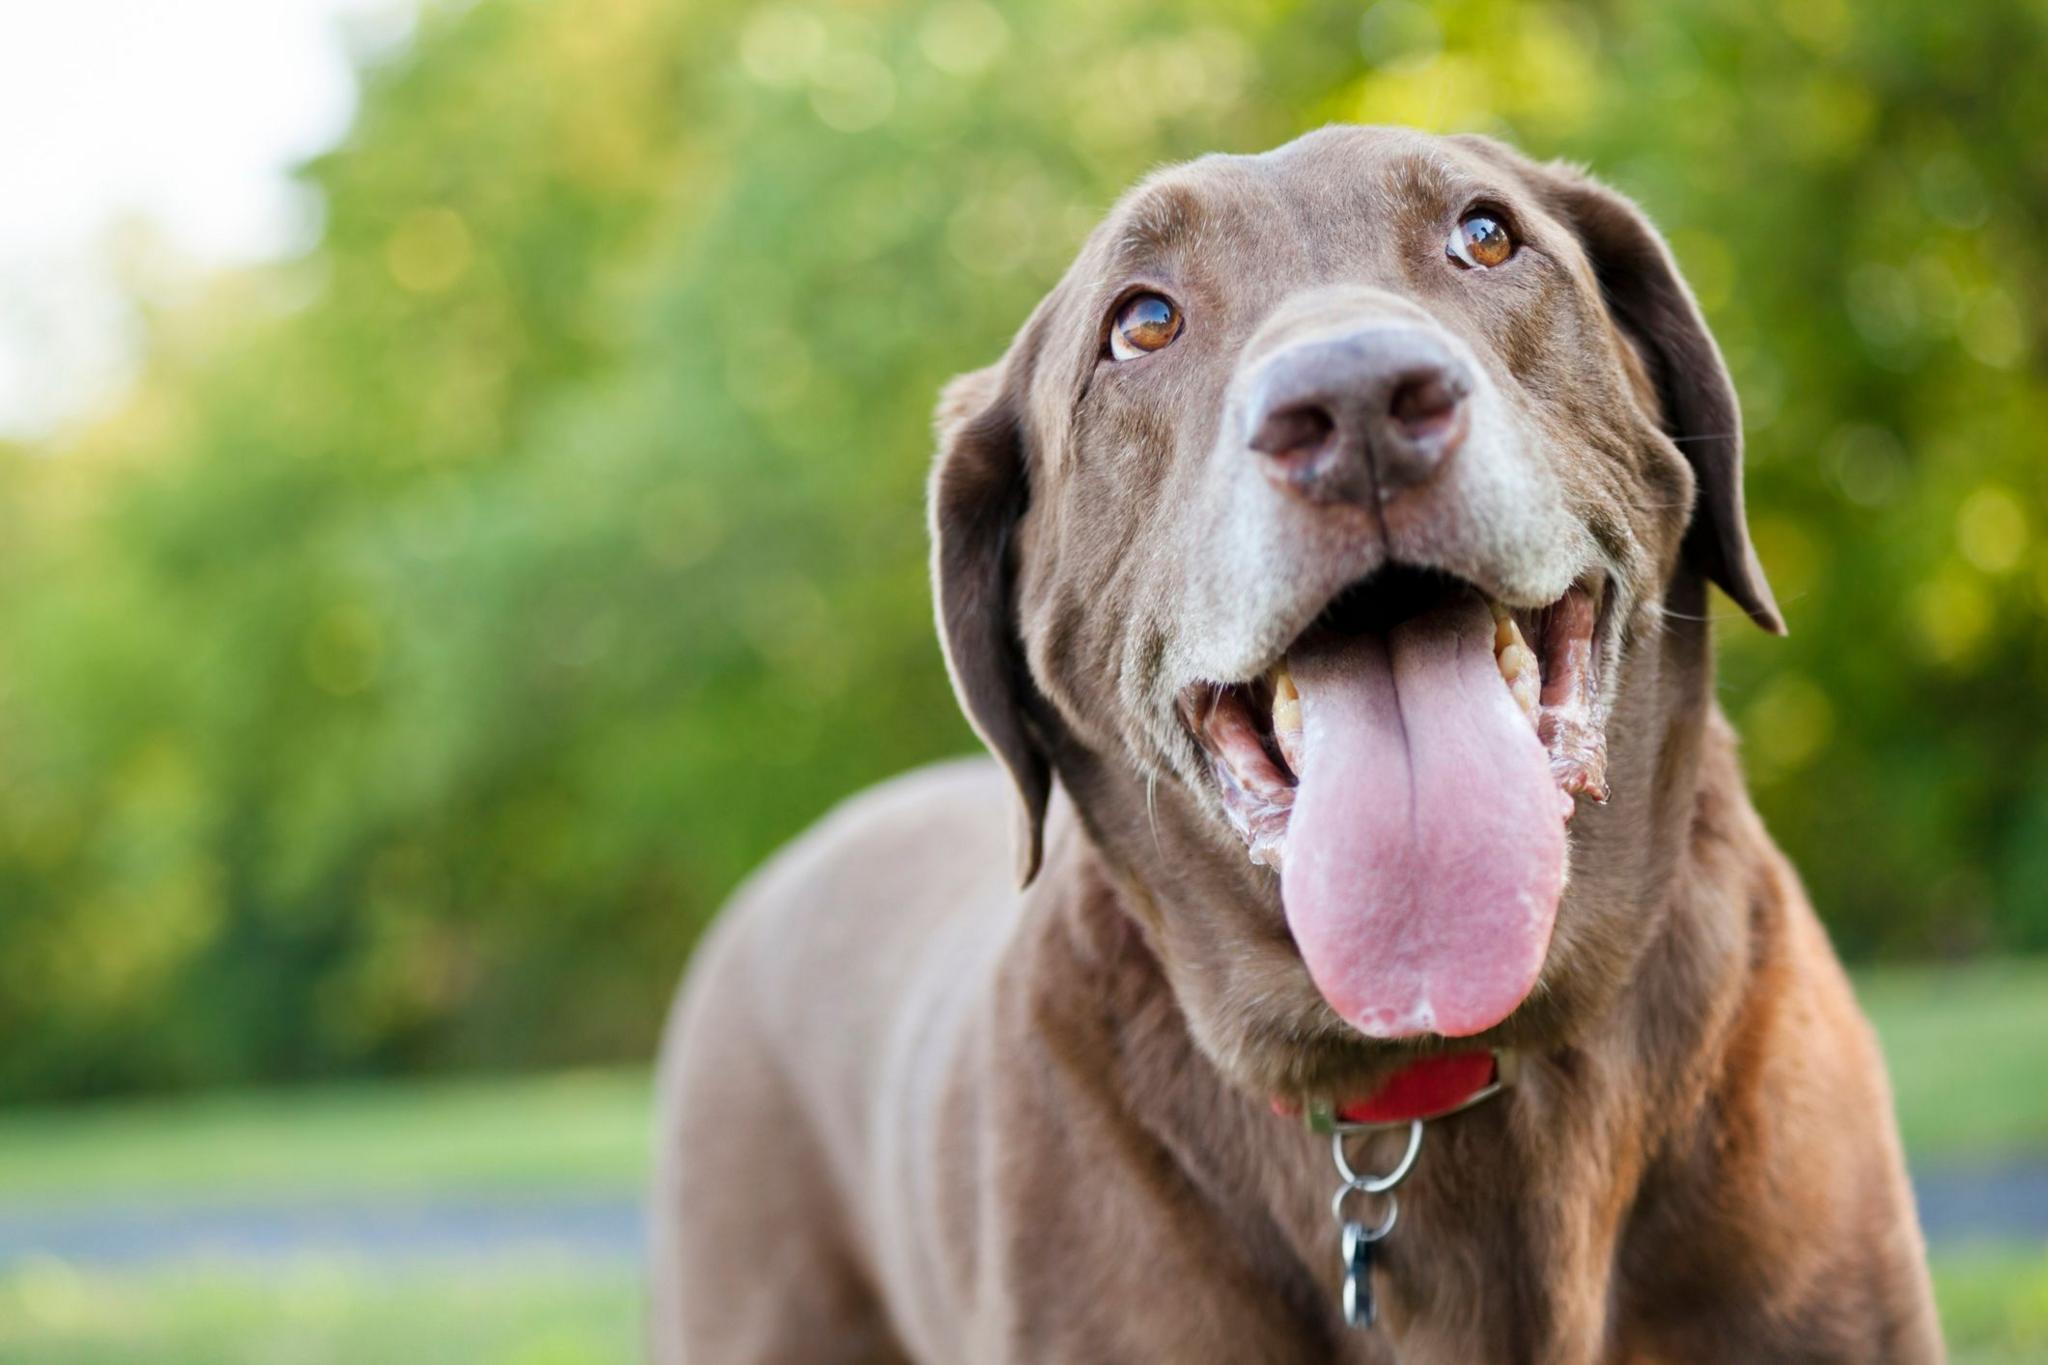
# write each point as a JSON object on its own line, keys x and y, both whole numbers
{"x": 1367, "y": 413}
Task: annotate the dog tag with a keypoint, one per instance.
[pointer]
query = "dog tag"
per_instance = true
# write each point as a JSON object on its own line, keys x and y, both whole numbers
{"x": 1359, "y": 1308}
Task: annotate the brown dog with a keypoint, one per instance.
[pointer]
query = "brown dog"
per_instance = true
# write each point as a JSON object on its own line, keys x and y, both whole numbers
{"x": 1337, "y": 535}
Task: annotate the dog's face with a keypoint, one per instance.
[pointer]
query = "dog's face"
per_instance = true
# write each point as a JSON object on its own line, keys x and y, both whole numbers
{"x": 1318, "y": 531}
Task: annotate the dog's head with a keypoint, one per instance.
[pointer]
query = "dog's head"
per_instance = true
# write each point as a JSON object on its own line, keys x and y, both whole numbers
{"x": 1324, "y": 530}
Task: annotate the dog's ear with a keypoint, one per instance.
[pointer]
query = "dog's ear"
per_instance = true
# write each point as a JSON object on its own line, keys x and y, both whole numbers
{"x": 1651, "y": 303}
{"x": 979, "y": 489}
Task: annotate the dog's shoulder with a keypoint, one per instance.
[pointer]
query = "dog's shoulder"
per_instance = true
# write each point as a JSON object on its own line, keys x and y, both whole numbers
{"x": 936, "y": 830}
{"x": 885, "y": 870}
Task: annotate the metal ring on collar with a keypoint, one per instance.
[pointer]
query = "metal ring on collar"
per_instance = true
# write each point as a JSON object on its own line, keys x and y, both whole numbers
{"x": 1364, "y": 1234}
{"x": 1377, "y": 1184}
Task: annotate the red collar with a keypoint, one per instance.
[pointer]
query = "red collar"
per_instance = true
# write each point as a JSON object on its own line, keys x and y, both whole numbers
{"x": 1427, "y": 1088}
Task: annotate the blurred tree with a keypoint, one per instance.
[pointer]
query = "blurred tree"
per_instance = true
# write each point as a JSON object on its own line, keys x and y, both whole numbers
{"x": 452, "y": 615}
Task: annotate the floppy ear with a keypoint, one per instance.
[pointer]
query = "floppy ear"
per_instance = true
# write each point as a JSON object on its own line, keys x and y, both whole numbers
{"x": 978, "y": 494}
{"x": 1655, "y": 308}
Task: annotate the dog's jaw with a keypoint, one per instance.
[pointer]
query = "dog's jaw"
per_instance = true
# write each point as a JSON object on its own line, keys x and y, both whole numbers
{"x": 1552, "y": 660}
{"x": 1418, "y": 825}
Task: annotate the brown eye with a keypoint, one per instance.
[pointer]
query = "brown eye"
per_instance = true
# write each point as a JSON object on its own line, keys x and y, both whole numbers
{"x": 1480, "y": 242}
{"x": 1145, "y": 322}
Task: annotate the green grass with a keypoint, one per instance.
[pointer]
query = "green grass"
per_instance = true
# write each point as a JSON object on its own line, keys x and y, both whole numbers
{"x": 1994, "y": 1304}
{"x": 1964, "y": 1044}
{"x": 324, "y": 1311}
{"x": 1966, "y": 1049}
{"x": 320, "y": 1311}
{"x": 573, "y": 1131}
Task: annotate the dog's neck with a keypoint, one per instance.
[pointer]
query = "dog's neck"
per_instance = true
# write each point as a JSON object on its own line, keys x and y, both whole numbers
{"x": 1478, "y": 1202}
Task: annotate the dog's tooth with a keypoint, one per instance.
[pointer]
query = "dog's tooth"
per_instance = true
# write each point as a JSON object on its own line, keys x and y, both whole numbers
{"x": 1518, "y": 667}
{"x": 1525, "y": 684}
{"x": 1502, "y": 624}
{"x": 1286, "y": 701}
{"x": 1506, "y": 634}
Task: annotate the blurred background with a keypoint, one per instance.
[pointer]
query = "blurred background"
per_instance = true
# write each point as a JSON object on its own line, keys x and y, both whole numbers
{"x": 460, "y": 473}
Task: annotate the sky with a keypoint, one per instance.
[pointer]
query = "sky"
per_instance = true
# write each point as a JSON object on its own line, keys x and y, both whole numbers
{"x": 169, "y": 121}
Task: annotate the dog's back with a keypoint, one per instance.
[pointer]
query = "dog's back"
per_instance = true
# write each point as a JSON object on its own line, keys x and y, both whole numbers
{"x": 831, "y": 993}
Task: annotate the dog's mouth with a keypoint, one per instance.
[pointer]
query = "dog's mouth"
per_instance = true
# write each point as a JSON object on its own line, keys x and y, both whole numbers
{"x": 1408, "y": 765}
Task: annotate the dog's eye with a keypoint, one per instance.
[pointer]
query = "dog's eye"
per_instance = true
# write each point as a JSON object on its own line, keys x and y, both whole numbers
{"x": 1480, "y": 242}
{"x": 1146, "y": 322}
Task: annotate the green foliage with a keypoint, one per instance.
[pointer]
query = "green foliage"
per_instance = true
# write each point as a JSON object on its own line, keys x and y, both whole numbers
{"x": 454, "y": 614}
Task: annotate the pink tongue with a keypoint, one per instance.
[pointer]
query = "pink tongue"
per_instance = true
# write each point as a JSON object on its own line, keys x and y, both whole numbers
{"x": 1425, "y": 854}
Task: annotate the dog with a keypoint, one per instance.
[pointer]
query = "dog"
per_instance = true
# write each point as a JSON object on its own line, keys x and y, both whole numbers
{"x": 1325, "y": 565}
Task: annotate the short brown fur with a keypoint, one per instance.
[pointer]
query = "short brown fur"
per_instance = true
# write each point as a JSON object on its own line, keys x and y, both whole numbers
{"x": 909, "y": 1112}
